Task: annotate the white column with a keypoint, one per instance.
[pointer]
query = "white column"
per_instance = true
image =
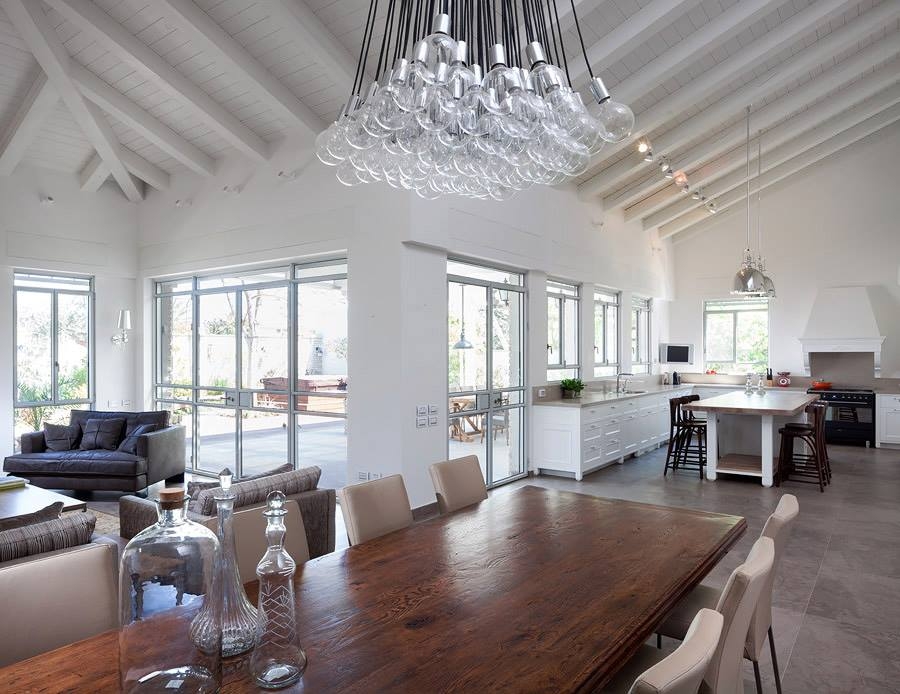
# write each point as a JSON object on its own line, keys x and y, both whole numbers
{"x": 586, "y": 332}
{"x": 625, "y": 332}
{"x": 712, "y": 444}
{"x": 766, "y": 449}
{"x": 536, "y": 334}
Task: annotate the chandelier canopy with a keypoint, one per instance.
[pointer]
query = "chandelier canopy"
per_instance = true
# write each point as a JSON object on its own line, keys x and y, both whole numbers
{"x": 479, "y": 106}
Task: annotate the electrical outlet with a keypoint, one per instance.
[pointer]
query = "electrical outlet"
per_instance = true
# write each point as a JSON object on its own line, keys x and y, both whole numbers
{"x": 542, "y": 392}
{"x": 363, "y": 476}
{"x": 421, "y": 422}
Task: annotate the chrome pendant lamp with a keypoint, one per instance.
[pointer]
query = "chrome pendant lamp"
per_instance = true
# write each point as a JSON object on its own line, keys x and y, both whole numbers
{"x": 462, "y": 342}
{"x": 748, "y": 280}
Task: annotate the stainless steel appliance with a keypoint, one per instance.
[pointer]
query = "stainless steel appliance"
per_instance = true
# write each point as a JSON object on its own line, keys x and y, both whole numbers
{"x": 850, "y": 416}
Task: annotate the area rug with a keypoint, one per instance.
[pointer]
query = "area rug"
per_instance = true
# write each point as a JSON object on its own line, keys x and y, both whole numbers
{"x": 107, "y": 524}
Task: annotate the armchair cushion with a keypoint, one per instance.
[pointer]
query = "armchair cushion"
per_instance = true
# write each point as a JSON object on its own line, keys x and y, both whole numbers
{"x": 69, "y": 531}
{"x": 255, "y": 491}
{"x": 130, "y": 442}
{"x": 132, "y": 419}
{"x": 102, "y": 433}
{"x": 50, "y": 512}
{"x": 61, "y": 437}
{"x": 195, "y": 487}
{"x": 81, "y": 463}
{"x": 33, "y": 442}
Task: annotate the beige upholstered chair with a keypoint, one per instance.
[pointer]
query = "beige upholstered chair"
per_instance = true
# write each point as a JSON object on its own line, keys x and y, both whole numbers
{"x": 778, "y": 528}
{"x": 250, "y": 537}
{"x": 375, "y": 508}
{"x": 682, "y": 671}
{"x": 55, "y": 598}
{"x": 458, "y": 483}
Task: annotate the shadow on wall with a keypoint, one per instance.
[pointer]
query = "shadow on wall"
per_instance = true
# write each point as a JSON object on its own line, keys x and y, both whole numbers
{"x": 886, "y": 308}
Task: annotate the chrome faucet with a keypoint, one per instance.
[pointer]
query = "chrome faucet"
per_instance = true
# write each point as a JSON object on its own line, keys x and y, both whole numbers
{"x": 618, "y": 376}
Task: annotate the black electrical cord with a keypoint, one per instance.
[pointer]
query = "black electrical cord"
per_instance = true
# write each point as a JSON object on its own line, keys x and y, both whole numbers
{"x": 581, "y": 39}
{"x": 561, "y": 42}
{"x": 364, "y": 47}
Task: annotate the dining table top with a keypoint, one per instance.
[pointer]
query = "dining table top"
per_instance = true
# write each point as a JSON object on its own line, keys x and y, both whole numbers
{"x": 769, "y": 402}
{"x": 532, "y": 590}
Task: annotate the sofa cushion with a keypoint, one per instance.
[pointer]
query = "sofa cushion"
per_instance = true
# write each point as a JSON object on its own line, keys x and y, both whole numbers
{"x": 71, "y": 530}
{"x": 132, "y": 419}
{"x": 251, "y": 492}
{"x": 194, "y": 488}
{"x": 101, "y": 463}
{"x": 61, "y": 437}
{"x": 50, "y": 512}
{"x": 102, "y": 433}
{"x": 130, "y": 442}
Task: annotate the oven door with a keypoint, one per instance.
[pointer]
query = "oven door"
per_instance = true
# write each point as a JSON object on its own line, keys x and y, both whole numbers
{"x": 850, "y": 422}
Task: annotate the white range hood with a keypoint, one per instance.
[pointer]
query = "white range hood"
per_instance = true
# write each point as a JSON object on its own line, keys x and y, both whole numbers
{"x": 842, "y": 320}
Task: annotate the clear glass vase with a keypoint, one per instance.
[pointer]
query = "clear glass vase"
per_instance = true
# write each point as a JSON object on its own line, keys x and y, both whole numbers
{"x": 278, "y": 660}
{"x": 167, "y": 575}
{"x": 239, "y": 618}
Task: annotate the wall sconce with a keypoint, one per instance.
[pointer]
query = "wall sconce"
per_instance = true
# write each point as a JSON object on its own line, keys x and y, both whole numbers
{"x": 124, "y": 325}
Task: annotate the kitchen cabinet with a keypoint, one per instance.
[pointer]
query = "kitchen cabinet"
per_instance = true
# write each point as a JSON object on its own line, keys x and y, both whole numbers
{"x": 580, "y": 438}
{"x": 887, "y": 425}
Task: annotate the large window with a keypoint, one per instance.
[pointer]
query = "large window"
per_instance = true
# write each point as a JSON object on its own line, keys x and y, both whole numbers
{"x": 736, "y": 335}
{"x": 640, "y": 335}
{"x": 606, "y": 333}
{"x": 54, "y": 348}
{"x": 562, "y": 331}
{"x": 254, "y": 364}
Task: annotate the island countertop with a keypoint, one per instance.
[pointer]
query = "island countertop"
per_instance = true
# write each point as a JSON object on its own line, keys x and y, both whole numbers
{"x": 768, "y": 403}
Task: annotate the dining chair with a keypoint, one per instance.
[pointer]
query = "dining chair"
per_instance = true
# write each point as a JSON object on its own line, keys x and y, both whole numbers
{"x": 737, "y": 603}
{"x": 682, "y": 671}
{"x": 778, "y": 529}
{"x": 458, "y": 483}
{"x": 375, "y": 508}
{"x": 250, "y": 537}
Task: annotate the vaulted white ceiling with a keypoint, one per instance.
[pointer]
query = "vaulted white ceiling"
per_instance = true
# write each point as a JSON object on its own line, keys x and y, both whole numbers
{"x": 137, "y": 90}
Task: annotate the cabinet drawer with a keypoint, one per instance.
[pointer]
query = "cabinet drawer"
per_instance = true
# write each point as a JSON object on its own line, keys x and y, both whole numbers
{"x": 592, "y": 448}
{"x": 889, "y": 402}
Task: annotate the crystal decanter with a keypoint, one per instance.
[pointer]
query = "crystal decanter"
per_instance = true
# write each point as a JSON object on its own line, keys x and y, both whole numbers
{"x": 167, "y": 575}
{"x": 278, "y": 660}
{"x": 239, "y": 618}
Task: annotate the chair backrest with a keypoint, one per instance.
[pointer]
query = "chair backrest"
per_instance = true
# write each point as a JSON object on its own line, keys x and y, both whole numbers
{"x": 250, "y": 537}
{"x": 375, "y": 508}
{"x": 682, "y": 671}
{"x": 778, "y": 528}
{"x": 736, "y": 604}
{"x": 56, "y": 598}
{"x": 458, "y": 483}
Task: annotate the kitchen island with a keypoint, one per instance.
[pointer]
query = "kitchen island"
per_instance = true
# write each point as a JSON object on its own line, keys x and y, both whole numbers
{"x": 741, "y": 457}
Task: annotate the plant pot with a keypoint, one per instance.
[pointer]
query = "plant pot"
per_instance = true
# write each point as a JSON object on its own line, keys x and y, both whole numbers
{"x": 571, "y": 394}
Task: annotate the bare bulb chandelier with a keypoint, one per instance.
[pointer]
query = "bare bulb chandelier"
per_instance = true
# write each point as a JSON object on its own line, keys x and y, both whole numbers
{"x": 478, "y": 107}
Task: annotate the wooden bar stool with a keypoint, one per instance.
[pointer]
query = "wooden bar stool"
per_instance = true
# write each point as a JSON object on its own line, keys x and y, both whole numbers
{"x": 812, "y": 464}
{"x": 687, "y": 438}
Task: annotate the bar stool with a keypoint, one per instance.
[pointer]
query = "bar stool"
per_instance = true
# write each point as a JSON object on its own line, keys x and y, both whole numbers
{"x": 811, "y": 465}
{"x": 687, "y": 438}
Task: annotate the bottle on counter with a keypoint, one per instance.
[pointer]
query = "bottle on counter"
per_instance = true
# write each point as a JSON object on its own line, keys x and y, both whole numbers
{"x": 770, "y": 381}
{"x": 760, "y": 385}
{"x": 748, "y": 386}
{"x": 676, "y": 379}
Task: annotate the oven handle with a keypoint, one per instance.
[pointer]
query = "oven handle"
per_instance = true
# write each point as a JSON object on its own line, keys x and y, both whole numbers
{"x": 841, "y": 403}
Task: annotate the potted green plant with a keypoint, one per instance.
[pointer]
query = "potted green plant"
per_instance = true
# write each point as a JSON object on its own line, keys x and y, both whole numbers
{"x": 571, "y": 387}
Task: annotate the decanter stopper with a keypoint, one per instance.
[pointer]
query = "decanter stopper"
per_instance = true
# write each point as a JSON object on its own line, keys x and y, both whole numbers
{"x": 278, "y": 660}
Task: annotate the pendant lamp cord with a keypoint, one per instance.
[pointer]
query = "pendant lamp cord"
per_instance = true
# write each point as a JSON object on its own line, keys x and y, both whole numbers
{"x": 748, "y": 177}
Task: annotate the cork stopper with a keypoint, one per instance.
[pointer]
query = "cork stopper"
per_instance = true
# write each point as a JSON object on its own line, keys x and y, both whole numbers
{"x": 171, "y": 498}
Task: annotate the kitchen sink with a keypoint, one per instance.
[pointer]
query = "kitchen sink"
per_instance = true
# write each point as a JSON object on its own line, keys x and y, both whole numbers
{"x": 633, "y": 392}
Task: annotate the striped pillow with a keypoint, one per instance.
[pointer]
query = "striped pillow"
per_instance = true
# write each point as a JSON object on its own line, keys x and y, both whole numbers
{"x": 70, "y": 530}
{"x": 255, "y": 491}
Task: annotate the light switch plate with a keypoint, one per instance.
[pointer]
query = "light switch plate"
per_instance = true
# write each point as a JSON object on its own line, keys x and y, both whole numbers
{"x": 421, "y": 409}
{"x": 432, "y": 421}
{"x": 542, "y": 392}
{"x": 421, "y": 422}
{"x": 432, "y": 409}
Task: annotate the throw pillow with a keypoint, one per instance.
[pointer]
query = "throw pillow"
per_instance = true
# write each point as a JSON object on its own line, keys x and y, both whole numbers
{"x": 101, "y": 433}
{"x": 71, "y": 530}
{"x": 251, "y": 492}
{"x": 61, "y": 437}
{"x": 50, "y": 512}
{"x": 130, "y": 442}
{"x": 194, "y": 487}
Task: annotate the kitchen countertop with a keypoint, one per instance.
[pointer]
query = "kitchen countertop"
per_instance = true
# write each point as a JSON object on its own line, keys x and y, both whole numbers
{"x": 770, "y": 402}
{"x": 595, "y": 397}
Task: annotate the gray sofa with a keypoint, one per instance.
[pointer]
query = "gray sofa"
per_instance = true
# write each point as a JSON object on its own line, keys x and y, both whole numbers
{"x": 159, "y": 455}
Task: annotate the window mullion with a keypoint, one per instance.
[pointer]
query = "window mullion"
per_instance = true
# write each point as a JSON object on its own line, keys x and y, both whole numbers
{"x": 54, "y": 347}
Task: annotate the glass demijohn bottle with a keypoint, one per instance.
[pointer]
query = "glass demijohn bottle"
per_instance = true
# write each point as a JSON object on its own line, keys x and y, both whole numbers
{"x": 167, "y": 573}
{"x": 239, "y": 618}
{"x": 278, "y": 660}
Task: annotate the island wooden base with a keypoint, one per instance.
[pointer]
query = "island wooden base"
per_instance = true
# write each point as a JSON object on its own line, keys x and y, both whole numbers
{"x": 739, "y": 464}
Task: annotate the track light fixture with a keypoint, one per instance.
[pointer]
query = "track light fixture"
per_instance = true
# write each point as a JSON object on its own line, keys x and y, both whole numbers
{"x": 697, "y": 194}
{"x": 680, "y": 178}
{"x": 711, "y": 207}
{"x": 643, "y": 145}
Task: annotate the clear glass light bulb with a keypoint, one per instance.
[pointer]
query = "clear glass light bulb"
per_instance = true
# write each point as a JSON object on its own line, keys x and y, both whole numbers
{"x": 616, "y": 120}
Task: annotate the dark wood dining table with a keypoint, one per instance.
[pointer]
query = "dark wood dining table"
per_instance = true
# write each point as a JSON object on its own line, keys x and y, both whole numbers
{"x": 533, "y": 590}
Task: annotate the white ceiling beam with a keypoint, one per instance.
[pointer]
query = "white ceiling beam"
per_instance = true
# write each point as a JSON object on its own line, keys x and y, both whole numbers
{"x": 230, "y": 54}
{"x": 38, "y": 103}
{"x": 316, "y": 39}
{"x": 95, "y": 22}
{"x": 566, "y": 19}
{"x": 649, "y": 20}
{"x": 706, "y": 85}
{"x": 778, "y": 110}
{"x": 776, "y": 151}
{"x": 117, "y": 104}
{"x": 706, "y": 39}
{"x": 778, "y": 173}
{"x": 42, "y": 40}
{"x": 800, "y": 64}
{"x": 93, "y": 175}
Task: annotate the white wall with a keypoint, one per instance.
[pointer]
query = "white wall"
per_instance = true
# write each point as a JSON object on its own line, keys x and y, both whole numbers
{"x": 84, "y": 233}
{"x": 397, "y": 246}
{"x": 835, "y": 224}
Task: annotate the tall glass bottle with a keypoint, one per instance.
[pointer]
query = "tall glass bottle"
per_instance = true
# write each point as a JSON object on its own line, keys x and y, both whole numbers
{"x": 278, "y": 660}
{"x": 167, "y": 574}
{"x": 239, "y": 618}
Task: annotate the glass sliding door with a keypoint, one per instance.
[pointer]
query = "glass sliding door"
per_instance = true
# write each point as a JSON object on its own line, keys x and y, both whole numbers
{"x": 486, "y": 361}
